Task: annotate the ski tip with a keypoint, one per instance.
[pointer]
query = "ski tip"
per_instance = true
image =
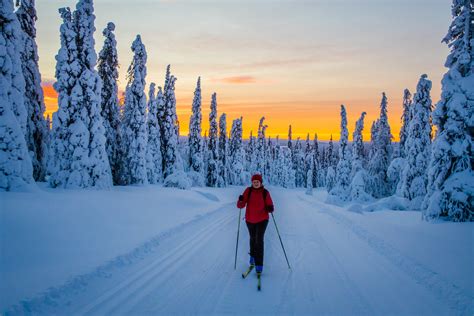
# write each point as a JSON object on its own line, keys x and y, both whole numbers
{"x": 243, "y": 276}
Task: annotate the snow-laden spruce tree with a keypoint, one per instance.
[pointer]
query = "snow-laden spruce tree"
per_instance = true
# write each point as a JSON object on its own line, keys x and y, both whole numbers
{"x": 289, "y": 175}
{"x": 236, "y": 153}
{"x": 330, "y": 172}
{"x": 223, "y": 160}
{"x": 153, "y": 151}
{"x": 299, "y": 164}
{"x": 134, "y": 127}
{"x": 359, "y": 184}
{"x": 316, "y": 162}
{"x": 309, "y": 175}
{"x": 269, "y": 160}
{"x": 212, "y": 167}
{"x": 260, "y": 149}
{"x": 358, "y": 160}
{"x": 169, "y": 136}
{"x": 406, "y": 117}
{"x": 343, "y": 169}
{"x": 36, "y": 130}
{"x": 450, "y": 173}
{"x": 195, "y": 153}
{"x": 78, "y": 148}
{"x": 382, "y": 153}
{"x": 414, "y": 178}
{"x": 107, "y": 66}
{"x": 16, "y": 169}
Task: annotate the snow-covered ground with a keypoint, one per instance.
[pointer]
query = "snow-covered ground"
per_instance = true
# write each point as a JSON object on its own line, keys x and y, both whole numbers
{"x": 154, "y": 250}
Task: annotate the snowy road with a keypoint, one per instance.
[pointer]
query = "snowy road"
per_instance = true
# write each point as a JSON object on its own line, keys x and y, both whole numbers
{"x": 338, "y": 268}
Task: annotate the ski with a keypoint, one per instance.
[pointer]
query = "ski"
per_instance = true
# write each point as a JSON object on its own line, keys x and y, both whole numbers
{"x": 259, "y": 285}
{"x": 246, "y": 273}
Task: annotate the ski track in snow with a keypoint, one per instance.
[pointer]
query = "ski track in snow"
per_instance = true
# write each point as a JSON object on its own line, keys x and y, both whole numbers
{"x": 55, "y": 297}
{"x": 453, "y": 295}
{"x": 189, "y": 270}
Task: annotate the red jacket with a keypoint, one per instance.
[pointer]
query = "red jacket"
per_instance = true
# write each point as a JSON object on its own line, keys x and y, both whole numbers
{"x": 257, "y": 209}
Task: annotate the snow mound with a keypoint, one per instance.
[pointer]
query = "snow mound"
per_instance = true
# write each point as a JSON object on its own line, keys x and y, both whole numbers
{"x": 389, "y": 203}
{"x": 178, "y": 179}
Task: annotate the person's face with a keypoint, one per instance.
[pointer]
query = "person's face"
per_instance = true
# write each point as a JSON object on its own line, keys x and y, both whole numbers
{"x": 256, "y": 184}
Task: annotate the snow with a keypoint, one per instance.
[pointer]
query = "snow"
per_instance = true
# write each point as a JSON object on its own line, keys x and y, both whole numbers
{"x": 156, "y": 250}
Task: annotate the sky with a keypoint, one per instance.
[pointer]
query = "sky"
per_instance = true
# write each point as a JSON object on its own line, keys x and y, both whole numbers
{"x": 292, "y": 61}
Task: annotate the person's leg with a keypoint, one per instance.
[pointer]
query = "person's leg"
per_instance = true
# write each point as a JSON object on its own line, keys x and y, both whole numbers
{"x": 259, "y": 244}
{"x": 252, "y": 234}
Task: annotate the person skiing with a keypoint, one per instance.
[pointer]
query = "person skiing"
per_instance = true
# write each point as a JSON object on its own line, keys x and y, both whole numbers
{"x": 259, "y": 203}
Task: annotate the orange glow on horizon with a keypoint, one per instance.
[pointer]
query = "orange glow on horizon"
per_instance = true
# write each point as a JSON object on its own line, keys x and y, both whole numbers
{"x": 50, "y": 99}
{"x": 320, "y": 117}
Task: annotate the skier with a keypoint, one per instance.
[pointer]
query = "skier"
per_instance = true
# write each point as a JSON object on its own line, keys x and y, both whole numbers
{"x": 259, "y": 204}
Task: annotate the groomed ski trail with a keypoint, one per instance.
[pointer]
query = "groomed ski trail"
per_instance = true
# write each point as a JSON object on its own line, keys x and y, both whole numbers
{"x": 189, "y": 270}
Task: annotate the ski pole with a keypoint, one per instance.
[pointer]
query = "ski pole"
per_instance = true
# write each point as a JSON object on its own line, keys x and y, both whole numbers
{"x": 237, "y": 243}
{"x": 281, "y": 242}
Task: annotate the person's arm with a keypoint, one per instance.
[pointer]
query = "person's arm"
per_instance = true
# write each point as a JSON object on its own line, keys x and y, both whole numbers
{"x": 242, "y": 201}
{"x": 269, "y": 203}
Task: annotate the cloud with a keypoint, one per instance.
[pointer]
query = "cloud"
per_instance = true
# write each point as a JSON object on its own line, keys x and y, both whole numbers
{"x": 236, "y": 80}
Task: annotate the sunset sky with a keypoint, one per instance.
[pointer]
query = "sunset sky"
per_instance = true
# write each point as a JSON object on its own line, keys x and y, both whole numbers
{"x": 295, "y": 62}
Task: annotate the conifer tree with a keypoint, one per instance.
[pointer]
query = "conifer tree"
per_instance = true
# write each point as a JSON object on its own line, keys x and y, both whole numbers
{"x": 153, "y": 153}
{"x": 169, "y": 133}
{"x": 223, "y": 167}
{"x": 78, "y": 148}
{"x": 417, "y": 147}
{"x": 343, "y": 170}
{"x": 358, "y": 160}
{"x": 195, "y": 152}
{"x": 382, "y": 153}
{"x": 16, "y": 170}
{"x": 450, "y": 173}
{"x": 134, "y": 131}
{"x": 236, "y": 153}
{"x": 107, "y": 67}
{"x": 36, "y": 130}
{"x": 212, "y": 168}
{"x": 316, "y": 162}
{"x": 405, "y": 121}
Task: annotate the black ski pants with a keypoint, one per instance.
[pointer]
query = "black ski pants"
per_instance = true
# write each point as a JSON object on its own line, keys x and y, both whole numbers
{"x": 257, "y": 233}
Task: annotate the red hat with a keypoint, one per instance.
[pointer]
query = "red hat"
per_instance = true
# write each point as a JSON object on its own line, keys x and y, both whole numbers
{"x": 257, "y": 177}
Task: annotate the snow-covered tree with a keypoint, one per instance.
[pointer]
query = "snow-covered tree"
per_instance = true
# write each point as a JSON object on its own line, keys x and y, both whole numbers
{"x": 78, "y": 147}
{"x": 358, "y": 185}
{"x": 358, "y": 160}
{"x": 309, "y": 175}
{"x": 343, "y": 170}
{"x": 381, "y": 153}
{"x": 223, "y": 161}
{"x": 195, "y": 153}
{"x": 153, "y": 151}
{"x": 316, "y": 163}
{"x": 405, "y": 121}
{"x": 134, "y": 129}
{"x": 299, "y": 164}
{"x": 16, "y": 169}
{"x": 260, "y": 149}
{"x": 169, "y": 135}
{"x": 36, "y": 130}
{"x": 417, "y": 147}
{"x": 212, "y": 167}
{"x": 236, "y": 153}
{"x": 107, "y": 66}
{"x": 450, "y": 173}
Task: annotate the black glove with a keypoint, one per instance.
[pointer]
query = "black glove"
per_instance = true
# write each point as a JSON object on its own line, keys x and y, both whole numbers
{"x": 269, "y": 208}
{"x": 241, "y": 197}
